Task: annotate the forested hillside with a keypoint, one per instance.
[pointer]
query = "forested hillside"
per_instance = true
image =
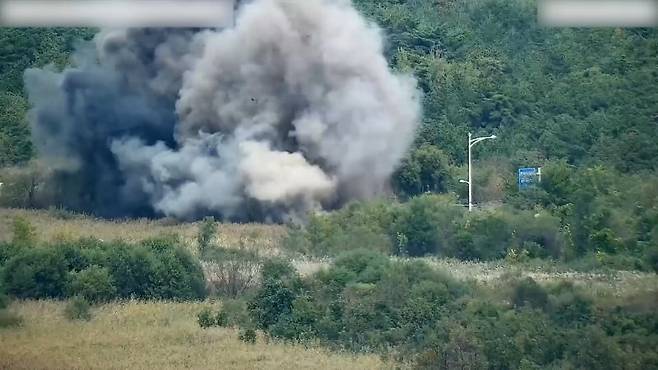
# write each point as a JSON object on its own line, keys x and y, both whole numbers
{"x": 21, "y": 49}
{"x": 588, "y": 96}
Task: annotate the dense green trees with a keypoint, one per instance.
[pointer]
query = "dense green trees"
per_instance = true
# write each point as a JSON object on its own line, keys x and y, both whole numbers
{"x": 413, "y": 313}
{"x": 583, "y": 95}
{"x": 593, "y": 214}
{"x": 22, "y": 48}
{"x": 100, "y": 271}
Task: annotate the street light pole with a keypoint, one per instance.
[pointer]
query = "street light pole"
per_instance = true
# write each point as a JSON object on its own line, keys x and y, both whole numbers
{"x": 471, "y": 143}
{"x": 470, "y": 174}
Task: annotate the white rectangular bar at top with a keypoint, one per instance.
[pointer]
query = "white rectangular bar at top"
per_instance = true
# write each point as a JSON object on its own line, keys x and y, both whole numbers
{"x": 116, "y": 13}
{"x": 598, "y": 13}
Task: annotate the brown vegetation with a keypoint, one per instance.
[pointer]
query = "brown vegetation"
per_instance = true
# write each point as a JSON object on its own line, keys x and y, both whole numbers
{"x": 137, "y": 335}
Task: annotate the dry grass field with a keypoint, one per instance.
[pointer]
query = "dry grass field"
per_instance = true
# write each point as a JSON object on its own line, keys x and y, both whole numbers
{"x": 51, "y": 226}
{"x": 156, "y": 335}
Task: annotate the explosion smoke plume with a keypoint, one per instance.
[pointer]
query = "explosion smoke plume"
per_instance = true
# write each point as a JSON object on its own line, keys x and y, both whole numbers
{"x": 292, "y": 109}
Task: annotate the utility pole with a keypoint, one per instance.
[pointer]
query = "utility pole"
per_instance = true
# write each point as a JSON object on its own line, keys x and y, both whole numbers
{"x": 471, "y": 143}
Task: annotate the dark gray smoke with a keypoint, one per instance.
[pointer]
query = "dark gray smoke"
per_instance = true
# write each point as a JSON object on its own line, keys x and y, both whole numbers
{"x": 292, "y": 109}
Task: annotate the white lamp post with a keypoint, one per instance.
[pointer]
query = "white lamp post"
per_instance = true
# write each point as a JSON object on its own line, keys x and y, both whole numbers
{"x": 472, "y": 142}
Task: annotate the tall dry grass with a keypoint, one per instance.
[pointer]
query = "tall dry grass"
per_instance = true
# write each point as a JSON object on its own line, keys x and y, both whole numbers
{"x": 138, "y": 335}
{"x": 51, "y": 225}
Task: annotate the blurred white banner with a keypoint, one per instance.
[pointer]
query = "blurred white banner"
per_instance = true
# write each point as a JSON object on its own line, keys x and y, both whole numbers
{"x": 116, "y": 13}
{"x": 598, "y": 13}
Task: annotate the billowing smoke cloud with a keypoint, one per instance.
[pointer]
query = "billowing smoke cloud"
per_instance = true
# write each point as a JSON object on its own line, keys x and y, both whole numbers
{"x": 292, "y": 109}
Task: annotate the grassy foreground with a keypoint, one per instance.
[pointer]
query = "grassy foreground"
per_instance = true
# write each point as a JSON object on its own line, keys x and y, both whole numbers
{"x": 137, "y": 335}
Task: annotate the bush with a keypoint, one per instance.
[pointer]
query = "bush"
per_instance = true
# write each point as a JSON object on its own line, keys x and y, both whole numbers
{"x": 231, "y": 272}
{"x": 9, "y": 320}
{"x": 593, "y": 349}
{"x": 206, "y": 234}
{"x": 36, "y": 273}
{"x": 78, "y": 308}
{"x": 100, "y": 271}
{"x": 206, "y": 319}
{"x": 248, "y": 336}
{"x": 272, "y": 302}
{"x": 432, "y": 225}
{"x": 4, "y": 300}
{"x": 221, "y": 319}
{"x": 528, "y": 293}
{"x": 158, "y": 268}
{"x": 421, "y": 233}
{"x": 425, "y": 169}
{"x": 652, "y": 258}
{"x": 363, "y": 225}
{"x": 277, "y": 269}
{"x": 233, "y": 313}
{"x": 569, "y": 306}
{"x": 7, "y": 251}
{"x": 95, "y": 284}
{"x": 132, "y": 270}
{"x": 361, "y": 262}
{"x": 25, "y": 186}
{"x": 412, "y": 312}
{"x": 24, "y": 234}
{"x": 176, "y": 274}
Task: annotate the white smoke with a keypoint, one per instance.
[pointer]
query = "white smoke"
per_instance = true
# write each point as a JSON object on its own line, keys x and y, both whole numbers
{"x": 292, "y": 109}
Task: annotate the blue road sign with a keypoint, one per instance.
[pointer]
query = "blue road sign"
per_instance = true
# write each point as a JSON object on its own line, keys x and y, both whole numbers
{"x": 528, "y": 176}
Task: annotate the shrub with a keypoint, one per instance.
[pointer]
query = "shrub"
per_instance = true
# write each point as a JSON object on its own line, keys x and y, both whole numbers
{"x": 78, "y": 308}
{"x": 206, "y": 234}
{"x": 25, "y": 186}
{"x": 358, "y": 225}
{"x": 277, "y": 269}
{"x": 234, "y": 313}
{"x": 132, "y": 270}
{"x": 593, "y": 349}
{"x": 7, "y": 251}
{"x": 158, "y": 268}
{"x": 231, "y": 272}
{"x": 272, "y": 302}
{"x": 652, "y": 258}
{"x": 416, "y": 223}
{"x": 412, "y": 312}
{"x": 489, "y": 235}
{"x": 176, "y": 274}
{"x": 569, "y": 306}
{"x": 24, "y": 234}
{"x": 4, "y": 300}
{"x": 221, "y": 319}
{"x": 205, "y": 318}
{"x": 9, "y": 319}
{"x": 36, "y": 273}
{"x": 425, "y": 169}
{"x": 297, "y": 241}
{"x": 95, "y": 284}
{"x": 100, "y": 271}
{"x": 360, "y": 261}
{"x": 528, "y": 293}
{"x": 248, "y": 336}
